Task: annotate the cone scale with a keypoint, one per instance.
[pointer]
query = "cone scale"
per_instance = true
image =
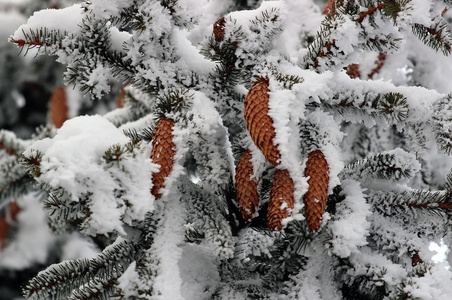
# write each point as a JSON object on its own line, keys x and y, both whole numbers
{"x": 316, "y": 196}
{"x": 259, "y": 123}
{"x": 163, "y": 152}
{"x": 246, "y": 188}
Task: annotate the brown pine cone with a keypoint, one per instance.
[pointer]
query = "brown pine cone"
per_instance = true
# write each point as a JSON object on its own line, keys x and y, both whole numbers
{"x": 281, "y": 195}
{"x": 163, "y": 152}
{"x": 315, "y": 197}
{"x": 327, "y": 9}
{"x": 259, "y": 123}
{"x": 58, "y": 107}
{"x": 245, "y": 187}
{"x": 416, "y": 259}
{"x": 218, "y": 29}
{"x": 353, "y": 71}
{"x": 6, "y": 222}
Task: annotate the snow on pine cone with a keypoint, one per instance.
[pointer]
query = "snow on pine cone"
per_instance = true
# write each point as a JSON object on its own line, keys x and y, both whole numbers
{"x": 245, "y": 187}
{"x": 259, "y": 123}
{"x": 281, "y": 200}
{"x": 58, "y": 109}
{"x": 316, "y": 196}
{"x": 162, "y": 153}
{"x": 218, "y": 29}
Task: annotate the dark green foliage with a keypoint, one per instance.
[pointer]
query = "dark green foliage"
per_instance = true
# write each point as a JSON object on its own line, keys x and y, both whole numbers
{"x": 173, "y": 101}
{"x": 67, "y": 280}
{"x": 393, "y": 7}
{"x": 441, "y": 118}
{"x": 393, "y": 107}
{"x": 288, "y": 80}
{"x": 380, "y": 166}
{"x": 438, "y": 36}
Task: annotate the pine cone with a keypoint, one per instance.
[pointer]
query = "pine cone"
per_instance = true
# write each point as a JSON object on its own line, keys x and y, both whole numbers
{"x": 315, "y": 197}
{"x": 259, "y": 123}
{"x": 416, "y": 259}
{"x": 5, "y": 223}
{"x": 58, "y": 107}
{"x": 353, "y": 71}
{"x": 218, "y": 29}
{"x": 281, "y": 199}
{"x": 163, "y": 152}
{"x": 246, "y": 188}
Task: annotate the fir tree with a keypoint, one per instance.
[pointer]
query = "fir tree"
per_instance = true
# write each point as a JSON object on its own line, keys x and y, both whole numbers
{"x": 252, "y": 158}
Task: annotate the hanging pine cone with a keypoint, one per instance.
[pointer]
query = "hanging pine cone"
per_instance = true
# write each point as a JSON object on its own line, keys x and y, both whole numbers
{"x": 245, "y": 187}
{"x": 6, "y": 222}
{"x": 315, "y": 197}
{"x": 415, "y": 259}
{"x": 259, "y": 123}
{"x": 58, "y": 107}
{"x": 281, "y": 200}
{"x": 163, "y": 152}
{"x": 218, "y": 29}
{"x": 353, "y": 71}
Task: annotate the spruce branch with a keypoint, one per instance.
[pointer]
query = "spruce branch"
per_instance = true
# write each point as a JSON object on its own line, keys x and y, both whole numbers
{"x": 173, "y": 101}
{"x": 392, "y": 106}
{"x": 392, "y": 8}
{"x": 395, "y": 106}
{"x": 288, "y": 80}
{"x": 369, "y": 12}
{"x": 48, "y": 40}
{"x": 7, "y": 149}
{"x": 82, "y": 277}
{"x": 223, "y": 52}
{"x": 436, "y": 37}
{"x": 33, "y": 163}
{"x": 440, "y": 122}
{"x": 386, "y": 166}
{"x": 433, "y": 202}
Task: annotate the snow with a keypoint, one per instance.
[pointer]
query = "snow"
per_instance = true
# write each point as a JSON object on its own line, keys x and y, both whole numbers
{"x": 190, "y": 54}
{"x": 72, "y": 160}
{"x": 105, "y": 9}
{"x": 168, "y": 282}
{"x": 287, "y": 138}
{"x": 65, "y": 19}
{"x": 217, "y": 157}
{"x": 99, "y": 80}
{"x": 435, "y": 284}
{"x": 78, "y": 246}
{"x": 199, "y": 272}
{"x": 351, "y": 229}
{"x": 33, "y": 240}
{"x": 118, "y": 38}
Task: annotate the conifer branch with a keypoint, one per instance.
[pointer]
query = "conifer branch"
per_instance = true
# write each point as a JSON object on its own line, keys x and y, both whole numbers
{"x": 441, "y": 119}
{"x": 433, "y": 202}
{"x": 437, "y": 37}
{"x": 369, "y": 12}
{"x": 8, "y": 150}
{"x": 386, "y": 166}
{"x": 82, "y": 277}
{"x": 392, "y": 106}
